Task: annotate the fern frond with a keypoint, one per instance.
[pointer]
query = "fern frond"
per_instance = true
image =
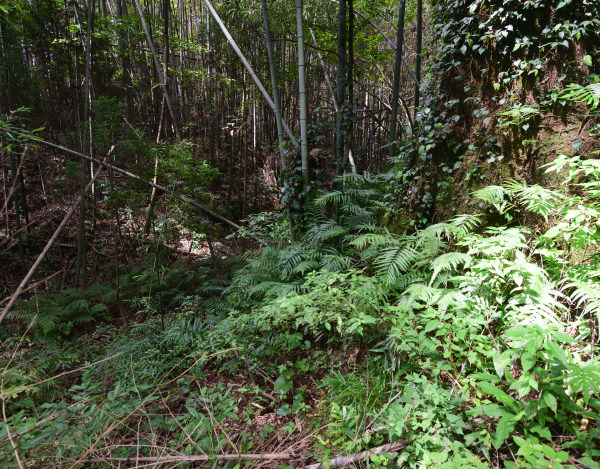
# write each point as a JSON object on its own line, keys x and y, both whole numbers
{"x": 77, "y": 306}
{"x": 304, "y": 266}
{"x": 48, "y": 322}
{"x": 502, "y": 240}
{"x": 585, "y": 295}
{"x": 449, "y": 261}
{"x": 367, "y": 226}
{"x": 374, "y": 239}
{"x": 439, "y": 231}
{"x": 326, "y": 232}
{"x": 536, "y": 307}
{"x": 464, "y": 224}
{"x": 497, "y": 196}
{"x": 589, "y": 94}
{"x": 407, "y": 279}
{"x": 536, "y": 198}
{"x": 395, "y": 260}
{"x": 335, "y": 262}
{"x": 424, "y": 293}
{"x": 316, "y": 213}
{"x": 332, "y": 197}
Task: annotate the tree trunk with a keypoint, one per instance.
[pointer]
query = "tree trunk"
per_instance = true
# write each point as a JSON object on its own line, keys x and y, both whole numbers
{"x": 81, "y": 269}
{"x": 274, "y": 82}
{"x": 341, "y": 87}
{"x": 158, "y": 70}
{"x": 350, "y": 117}
{"x": 396, "y": 86}
{"x": 277, "y": 110}
{"x": 302, "y": 96}
{"x": 125, "y": 60}
{"x": 418, "y": 61}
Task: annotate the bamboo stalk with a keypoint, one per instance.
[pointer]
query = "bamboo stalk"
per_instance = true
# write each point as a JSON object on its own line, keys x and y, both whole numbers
{"x": 246, "y": 64}
{"x": 49, "y": 244}
{"x": 302, "y": 95}
{"x": 163, "y": 83}
{"x": 389, "y": 41}
{"x": 351, "y": 458}
{"x": 184, "y": 458}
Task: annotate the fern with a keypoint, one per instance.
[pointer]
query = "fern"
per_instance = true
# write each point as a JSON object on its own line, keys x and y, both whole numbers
{"x": 589, "y": 94}
{"x": 502, "y": 240}
{"x": 448, "y": 261}
{"x": 335, "y": 262}
{"x": 535, "y": 198}
{"x": 325, "y": 232}
{"x": 585, "y": 295}
{"x": 497, "y": 196}
{"x": 464, "y": 224}
{"x": 409, "y": 278}
{"x": 374, "y": 239}
{"x": 332, "y": 197}
{"x": 394, "y": 261}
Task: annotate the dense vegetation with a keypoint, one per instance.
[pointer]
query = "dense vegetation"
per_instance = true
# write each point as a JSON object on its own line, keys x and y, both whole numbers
{"x": 421, "y": 298}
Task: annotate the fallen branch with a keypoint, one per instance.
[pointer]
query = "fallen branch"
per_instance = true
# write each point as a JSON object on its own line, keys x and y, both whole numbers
{"x": 184, "y": 458}
{"x": 351, "y": 458}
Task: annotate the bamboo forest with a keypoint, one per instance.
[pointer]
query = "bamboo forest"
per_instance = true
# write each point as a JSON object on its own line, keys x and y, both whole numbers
{"x": 300, "y": 234}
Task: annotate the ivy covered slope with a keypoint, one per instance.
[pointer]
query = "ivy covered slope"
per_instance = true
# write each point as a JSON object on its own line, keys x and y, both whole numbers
{"x": 495, "y": 108}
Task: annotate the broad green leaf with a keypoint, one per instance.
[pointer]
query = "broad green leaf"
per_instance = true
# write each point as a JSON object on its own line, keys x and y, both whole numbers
{"x": 283, "y": 385}
{"x": 550, "y": 401}
{"x": 588, "y": 462}
{"x": 489, "y": 388}
{"x": 505, "y": 426}
{"x": 557, "y": 352}
{"x": 485, "y": 377}
{"x": 431, "y": 325}
{"x": 549, "y": 452}
{"x": 528, "y": 361}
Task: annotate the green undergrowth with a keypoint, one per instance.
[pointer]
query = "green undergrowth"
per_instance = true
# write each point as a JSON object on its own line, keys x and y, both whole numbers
{"x": 468, "y": 343}
{"x": 471, "y": 342}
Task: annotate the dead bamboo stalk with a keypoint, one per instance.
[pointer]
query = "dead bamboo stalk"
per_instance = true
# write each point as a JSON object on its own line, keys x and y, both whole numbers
{"x": 351, "y": 458}
{"x": 184, "y": 458}
{"x": 49, "y": 244}
{"x": 32, "y": 286}
{"x": 13, "y": 187}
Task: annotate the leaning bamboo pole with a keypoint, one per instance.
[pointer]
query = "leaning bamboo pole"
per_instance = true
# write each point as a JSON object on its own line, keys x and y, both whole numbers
{"x": 248, "y": 67}
{"x": 49, "y": 244}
